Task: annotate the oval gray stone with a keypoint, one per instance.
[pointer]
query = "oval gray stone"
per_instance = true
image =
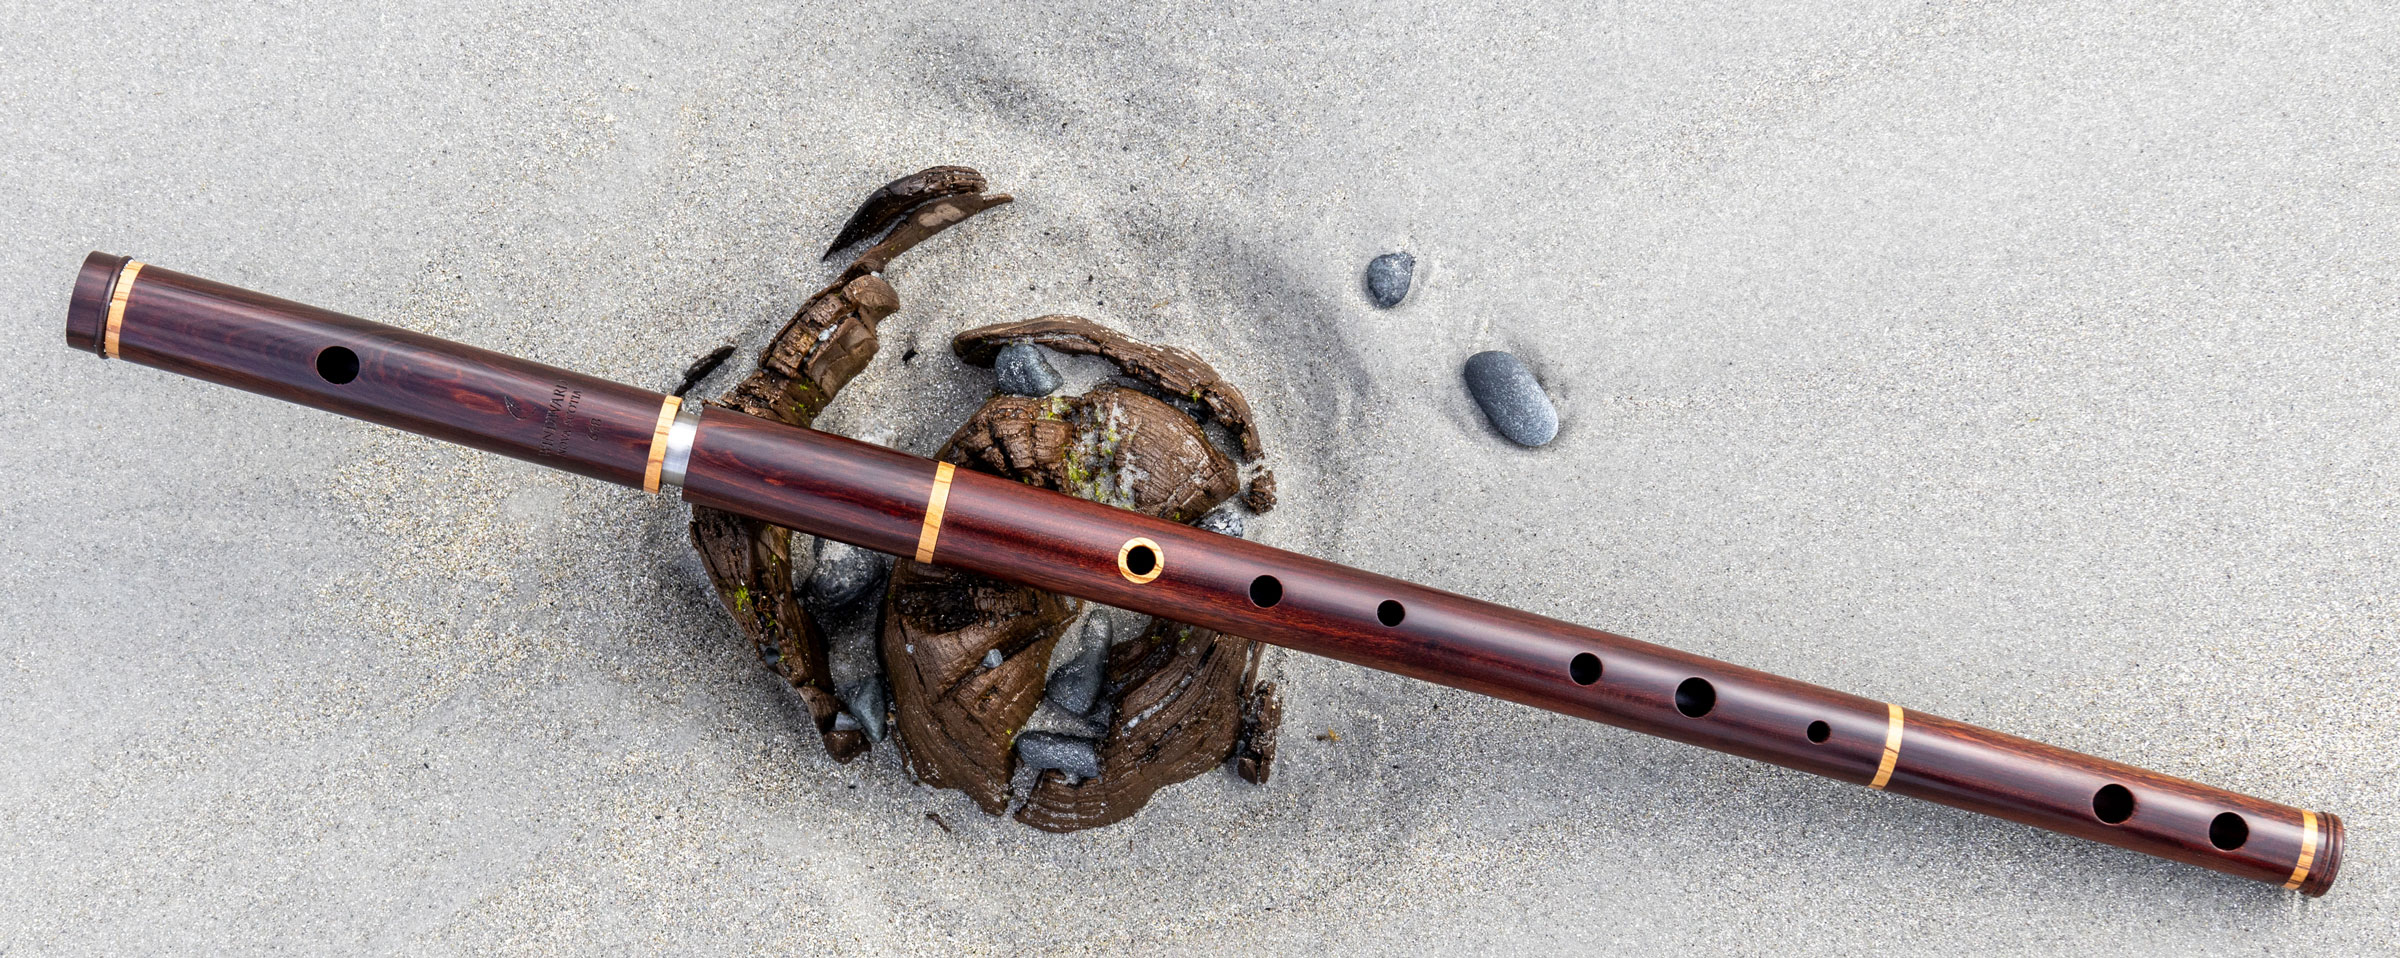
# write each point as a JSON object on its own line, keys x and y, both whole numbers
{"x": 1025, "y": 372}
{"x": 1388, "y": 277}
{"x": 1044, "y": 750}
{"x": 1511, "y": 398}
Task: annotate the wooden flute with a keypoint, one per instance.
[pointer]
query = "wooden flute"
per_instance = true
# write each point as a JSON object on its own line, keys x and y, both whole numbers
{"x": 882, "y": 499}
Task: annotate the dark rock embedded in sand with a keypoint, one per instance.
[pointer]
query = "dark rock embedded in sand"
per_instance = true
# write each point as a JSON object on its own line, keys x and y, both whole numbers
{"x": 864, "y": 706}
{"x": 1511, "y": 398}
{"x": 1025, "y": 372}
{"x": 1043, "y": 750}
{"x": 1388, "y": 277}
{"x": 844, "y": 574}
{"x": 1076, "y": 684}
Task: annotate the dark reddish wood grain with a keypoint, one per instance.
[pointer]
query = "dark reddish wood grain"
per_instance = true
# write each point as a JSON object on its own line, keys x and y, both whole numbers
{"x": 876, "y": 497}
{"x": 825, "y": 485}
{"x": 406, "y": 380}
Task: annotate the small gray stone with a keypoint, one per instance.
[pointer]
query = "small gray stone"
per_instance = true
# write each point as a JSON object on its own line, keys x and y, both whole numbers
{"x": 1077, "y": 683}
{"x": 1222, "y": 520}
{"x": 845, "y": 574}
{"x": 1074, "y": 756}
{"x": 991, "y": 659}
{"x": 1388, "y": 276}
{"x": 1511, "y": 398}
{"x": 1024, "y": 372}
{"x": 864, "y": 705}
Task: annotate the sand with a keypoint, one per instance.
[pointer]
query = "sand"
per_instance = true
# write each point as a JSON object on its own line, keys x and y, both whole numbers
{"x": 2028, "y": 364}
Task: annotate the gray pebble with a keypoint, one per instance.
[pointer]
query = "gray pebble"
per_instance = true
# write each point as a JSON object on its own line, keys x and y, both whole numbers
{"x": 1511, "y": 398}
{"x": 1388, "y": 276}
{"x": 1074, "y": 756}
{"x": 845, "y": 574}
{"x": 864, "y": 706}
{"x": 1222, "y": 520}
{"x": 1024, "y": 372}
{"x": 1077, "y": 683}
{"x": 991, "y": 659}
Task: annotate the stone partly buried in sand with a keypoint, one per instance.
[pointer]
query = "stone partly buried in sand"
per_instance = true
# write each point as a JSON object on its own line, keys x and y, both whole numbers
{"x": 1024, "y": 371}
{"x": 844, "y": 574}
{"x": 1511, "y": 398}
{"x": 1075, "y": 686}
{"x": 1388, "y": 278}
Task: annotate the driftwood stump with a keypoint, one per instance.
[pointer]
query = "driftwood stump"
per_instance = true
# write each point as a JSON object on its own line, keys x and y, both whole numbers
{"x": 967, "y": 656}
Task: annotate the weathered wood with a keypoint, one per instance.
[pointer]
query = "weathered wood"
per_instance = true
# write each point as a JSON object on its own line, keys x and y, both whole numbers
{"x": 827, "y": 343}
{"x": 893, "y": 199}
{"x": 1173, "y": 707}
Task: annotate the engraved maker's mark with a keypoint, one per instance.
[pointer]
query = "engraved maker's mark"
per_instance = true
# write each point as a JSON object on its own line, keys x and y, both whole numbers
{"x": 557, "y": 419}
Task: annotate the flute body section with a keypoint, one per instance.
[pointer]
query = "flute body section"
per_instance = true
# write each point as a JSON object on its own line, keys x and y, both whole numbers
{"x": 890, "y": 501}
{"x": 423, "y": 384}
{"x": 1075, "y": 547}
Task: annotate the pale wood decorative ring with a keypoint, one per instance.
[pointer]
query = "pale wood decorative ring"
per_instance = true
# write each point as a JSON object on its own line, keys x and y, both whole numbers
{"x": 2308, "y": 848}
{"x": 658, "y": 443}
{"x": 932, "y": 530}
{"x": 116, "y": 307}
{"x": 1891, "y": 749}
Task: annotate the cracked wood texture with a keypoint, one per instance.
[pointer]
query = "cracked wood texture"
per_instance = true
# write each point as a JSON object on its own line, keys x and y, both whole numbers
{"x": 827, "y": 343}
{"x": 1176, "y": 702}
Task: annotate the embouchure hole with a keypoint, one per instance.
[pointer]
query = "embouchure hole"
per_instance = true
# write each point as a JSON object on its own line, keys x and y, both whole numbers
{"x": 1695, "y": 697}
{"x": 1585, "y": 669}
{"x": 1265, "y": 591}
{"x": 337, "y": 365}
{"x": 2229, "y": 831}
{"x": 1139, "y": 560}
{"x": 1818, "y": 731}
{"x": 1390, "y": 612}
{"x": 2114, "y": 804}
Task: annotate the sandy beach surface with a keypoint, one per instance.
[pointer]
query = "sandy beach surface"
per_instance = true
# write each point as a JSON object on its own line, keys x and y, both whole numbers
{"x": 2029, "y": 364}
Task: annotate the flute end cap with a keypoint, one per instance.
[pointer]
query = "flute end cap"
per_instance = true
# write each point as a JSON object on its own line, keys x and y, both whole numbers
{"x": 2329, "y": 857}
{"x": 87, "y": 310}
